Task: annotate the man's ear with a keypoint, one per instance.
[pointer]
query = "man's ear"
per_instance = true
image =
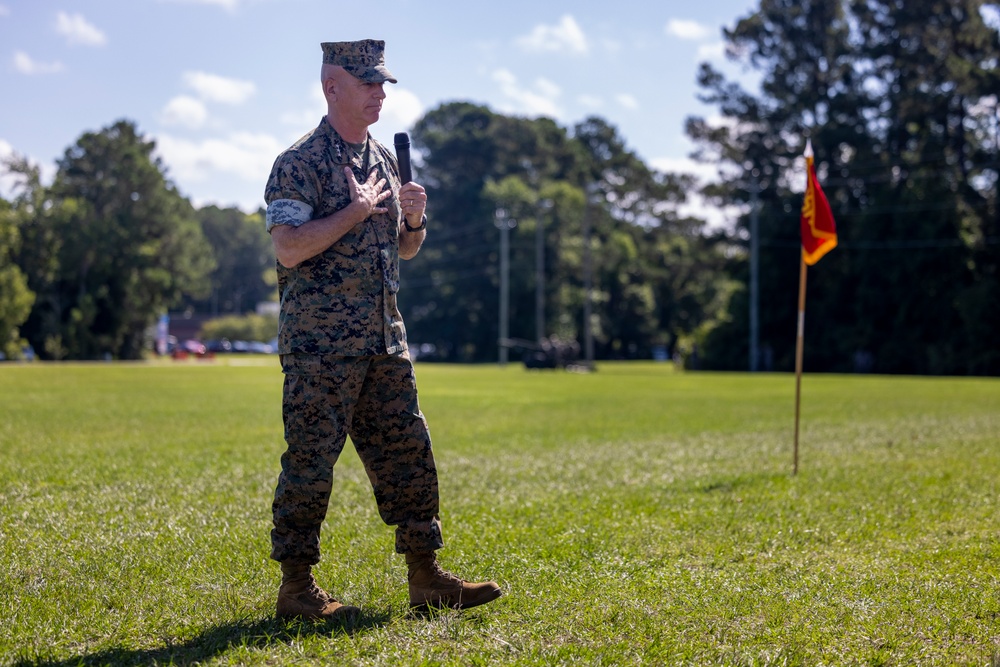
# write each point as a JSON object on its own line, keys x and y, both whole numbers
{"x": 330, "y": 88}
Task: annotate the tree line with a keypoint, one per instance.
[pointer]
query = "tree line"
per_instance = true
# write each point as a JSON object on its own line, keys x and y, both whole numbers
{"x": 900, "y": 102}
{"x": 91, "y": 261}
{"x": 898, "y": 99}
{"x": 600, "y": 217}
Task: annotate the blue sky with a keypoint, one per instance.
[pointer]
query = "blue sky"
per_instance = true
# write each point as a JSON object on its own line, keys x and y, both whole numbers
{"x": 222, "y": 86}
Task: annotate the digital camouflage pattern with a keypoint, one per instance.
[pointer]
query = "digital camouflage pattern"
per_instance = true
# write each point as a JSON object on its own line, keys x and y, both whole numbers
{"x": 343, "y": 352}
{"x": 343, "y": 301}
{"x": 364, "y": 59}
{"x": 374, "y": 400}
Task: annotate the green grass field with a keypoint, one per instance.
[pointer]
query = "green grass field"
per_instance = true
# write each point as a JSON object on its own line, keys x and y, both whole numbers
{"x": 633, "y": 516}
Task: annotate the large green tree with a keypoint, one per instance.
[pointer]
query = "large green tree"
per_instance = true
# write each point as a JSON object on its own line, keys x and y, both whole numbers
{"x": 633, "y": 213}
{"x": 244, "y": 261}
{"x": 38, "y": 218}
{"x": 127, "y": 247}
{"x": 15, "y": 297}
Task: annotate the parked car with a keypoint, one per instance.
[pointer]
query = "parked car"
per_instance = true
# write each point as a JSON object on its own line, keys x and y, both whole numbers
{"x": 221, "y": 345}
{"x": 194, "y": 347}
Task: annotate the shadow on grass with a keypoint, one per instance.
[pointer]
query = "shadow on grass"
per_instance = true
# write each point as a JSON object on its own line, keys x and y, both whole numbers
{"x": 215, "y": 641}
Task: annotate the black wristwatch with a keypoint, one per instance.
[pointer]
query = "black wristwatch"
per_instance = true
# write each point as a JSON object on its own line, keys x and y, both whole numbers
{"x": 423, "y": 224}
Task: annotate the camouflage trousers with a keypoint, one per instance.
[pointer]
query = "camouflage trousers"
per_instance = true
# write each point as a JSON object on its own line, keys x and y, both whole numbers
{"x": 374, "y": 400}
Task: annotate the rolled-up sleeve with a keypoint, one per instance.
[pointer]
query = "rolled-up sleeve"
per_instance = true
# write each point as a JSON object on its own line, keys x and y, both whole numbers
{"x": 288, "y": 212}
{"x": 292, "y": 191}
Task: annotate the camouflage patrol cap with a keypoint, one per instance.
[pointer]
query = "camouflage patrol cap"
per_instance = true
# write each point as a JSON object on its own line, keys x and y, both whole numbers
{"x": 364, "y": 59}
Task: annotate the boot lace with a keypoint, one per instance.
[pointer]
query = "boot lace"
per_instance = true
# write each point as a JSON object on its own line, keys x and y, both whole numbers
{"x": 314, "y": 591}
{"x": 445, "y": 574}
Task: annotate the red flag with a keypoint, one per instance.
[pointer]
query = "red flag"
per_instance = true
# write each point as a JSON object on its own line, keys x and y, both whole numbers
{"x": 819, "y": 231}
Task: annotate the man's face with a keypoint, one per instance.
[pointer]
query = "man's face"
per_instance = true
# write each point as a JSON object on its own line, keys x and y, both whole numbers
{"x": 358, "y": 100}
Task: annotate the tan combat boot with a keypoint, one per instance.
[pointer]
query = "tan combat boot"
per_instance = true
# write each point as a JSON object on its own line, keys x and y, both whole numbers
{"x": 430, "y": 586}
{"x": 300, "y": 597}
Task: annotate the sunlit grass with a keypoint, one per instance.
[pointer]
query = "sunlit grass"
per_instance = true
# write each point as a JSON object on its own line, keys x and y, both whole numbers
{"x": 633, "y": 516}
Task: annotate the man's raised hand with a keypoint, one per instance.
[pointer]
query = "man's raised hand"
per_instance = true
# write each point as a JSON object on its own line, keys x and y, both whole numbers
{"x": 371, "y": 193}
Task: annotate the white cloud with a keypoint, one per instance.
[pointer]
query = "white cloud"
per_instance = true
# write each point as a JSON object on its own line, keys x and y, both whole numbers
{"x": 991, "y": 16}
{"x": 539, "y": 101}
{"x": 712, "y": 51}
{"x": 244, "y": 155}
{"x": 307, "y": 115}
{"x": 686, "y": 29}
{"x": 4, "y": 11}
{"x": 696, "y": 206}
{"x": 590, "y": 101}
{"x": 612, "y": 46}
{"x": 78, "y": 30}
{"x": 7, "y": 182}
{"x": 714, "y": 216}
{"x": 186, "y": 111}
{"x": 565, "y": 36}
{"x": 547, "y": 89}
{"x": 229, "y": 5}
{"x": 215, "y": 88}
{"x": 24, "y": 64}
{"x": 627, "y": 101}
{"x": 705, "y": 173}
{"x": 401, "y": 108}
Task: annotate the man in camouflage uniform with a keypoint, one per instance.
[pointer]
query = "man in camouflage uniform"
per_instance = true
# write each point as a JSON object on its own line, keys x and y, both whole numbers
{"x": 340, "y": 220}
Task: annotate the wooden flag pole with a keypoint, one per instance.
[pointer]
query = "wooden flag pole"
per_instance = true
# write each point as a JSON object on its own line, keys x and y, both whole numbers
{"x": 799, "y": 344}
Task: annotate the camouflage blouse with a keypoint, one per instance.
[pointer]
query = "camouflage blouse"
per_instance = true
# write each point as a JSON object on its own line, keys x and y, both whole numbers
{"x": 342, "y": 301}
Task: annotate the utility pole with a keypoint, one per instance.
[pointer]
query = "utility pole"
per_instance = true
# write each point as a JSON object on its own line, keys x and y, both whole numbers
{"x": 504, "y": 224}
{"x": 544, "y": 207}
{"x": 588, "y": 279}
{"x": 754, "y": 273}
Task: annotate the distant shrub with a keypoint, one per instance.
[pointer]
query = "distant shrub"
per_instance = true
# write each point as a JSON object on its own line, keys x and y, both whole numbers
{"x": 251, "y": 327}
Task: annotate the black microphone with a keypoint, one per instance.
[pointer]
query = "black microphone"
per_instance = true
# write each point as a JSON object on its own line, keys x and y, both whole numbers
{"x": 402, "y": 141}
